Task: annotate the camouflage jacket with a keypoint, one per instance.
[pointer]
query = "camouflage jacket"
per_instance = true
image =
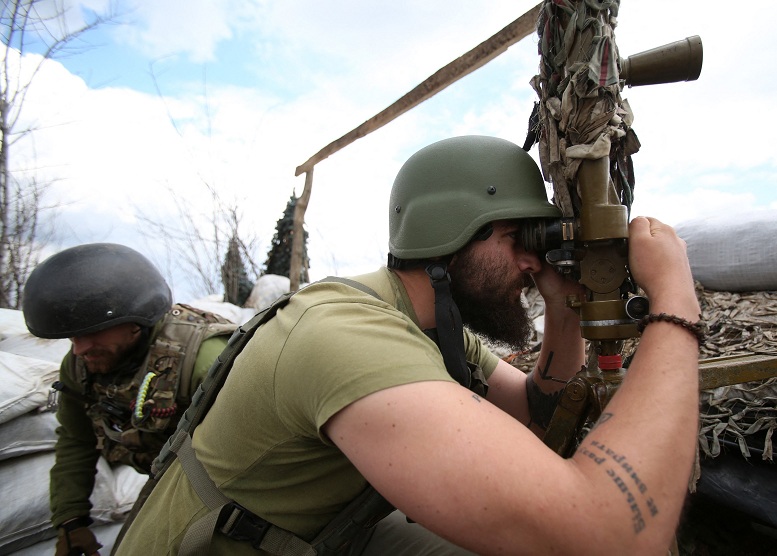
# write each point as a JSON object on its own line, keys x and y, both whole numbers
{"x": 127, "y": 415}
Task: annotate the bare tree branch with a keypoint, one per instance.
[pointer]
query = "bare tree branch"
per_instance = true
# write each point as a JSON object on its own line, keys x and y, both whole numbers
{"x": 33, "y": 32}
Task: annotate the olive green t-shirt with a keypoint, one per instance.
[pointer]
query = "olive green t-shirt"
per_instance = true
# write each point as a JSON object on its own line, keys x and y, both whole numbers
{"x": 262, "y": 442}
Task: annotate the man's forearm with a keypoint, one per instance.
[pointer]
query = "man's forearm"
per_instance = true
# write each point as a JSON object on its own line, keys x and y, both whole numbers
{"x": 561, "y": 356}
{"x": 562, "y": 353}
{"x": 73, "y": 474}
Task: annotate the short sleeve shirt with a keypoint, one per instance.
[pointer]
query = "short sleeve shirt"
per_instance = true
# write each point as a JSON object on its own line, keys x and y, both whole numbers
{"x": 262, "y": 441}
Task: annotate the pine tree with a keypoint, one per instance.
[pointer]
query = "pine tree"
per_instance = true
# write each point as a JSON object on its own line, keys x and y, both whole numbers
{"x": 279, "y": 256}
{"x": 237, "y": 286}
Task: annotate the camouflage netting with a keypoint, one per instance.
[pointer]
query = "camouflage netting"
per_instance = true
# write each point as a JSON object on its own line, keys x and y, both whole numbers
{"x": 739, "y": 323}
{"x": 740, "y": 415}
{"x": 581, "y": 113}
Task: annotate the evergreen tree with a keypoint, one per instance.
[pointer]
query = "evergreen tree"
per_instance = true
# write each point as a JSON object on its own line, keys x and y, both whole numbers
{"x": 279, "y": 256}
{"x": 237, "y": 286}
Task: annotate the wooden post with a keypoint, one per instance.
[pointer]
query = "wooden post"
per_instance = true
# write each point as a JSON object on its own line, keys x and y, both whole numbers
{"x": 458, "y": 68}
{"x": 449, "y": 74}
{"x": 298, "y": 243}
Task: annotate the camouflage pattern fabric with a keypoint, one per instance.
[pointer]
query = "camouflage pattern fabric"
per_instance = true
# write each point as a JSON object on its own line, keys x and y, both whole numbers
{"x": 581, "y": 113}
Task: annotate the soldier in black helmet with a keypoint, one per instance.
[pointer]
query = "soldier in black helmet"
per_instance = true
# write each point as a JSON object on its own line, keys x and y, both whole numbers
{"x": 135, "y": 362}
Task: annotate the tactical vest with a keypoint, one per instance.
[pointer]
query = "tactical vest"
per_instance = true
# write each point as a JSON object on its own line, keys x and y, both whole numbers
{"x": 229, "y": 518}
{"x": 133, "y": 418}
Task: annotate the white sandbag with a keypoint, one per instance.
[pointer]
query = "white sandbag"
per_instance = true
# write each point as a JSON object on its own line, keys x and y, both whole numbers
{"x": 230, "y": 311}
{"x": 24, "y": 484}
{"x": 24, "y": 491}
{"x": 106, "y": 536}
{"x": 28, "y": 345}
{"x": 32, "y": 432}
{"x": 267, "y": 289}
{"x": 12, "y": 323}
{"x": 24, "y": 384}
{"x": 127, "y": 486}
{"x": 15, "y": 338}
{"x": 733, "y": 252}
{"x": 115, "y": 491}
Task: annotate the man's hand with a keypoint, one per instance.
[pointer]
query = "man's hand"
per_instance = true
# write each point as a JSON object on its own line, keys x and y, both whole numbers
{"x": 76, "y": 538}
{"x": 659, "y": 264}
{"x": 553, "y": 287}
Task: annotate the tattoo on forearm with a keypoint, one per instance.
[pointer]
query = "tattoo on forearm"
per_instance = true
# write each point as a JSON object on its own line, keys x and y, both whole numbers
{"x": 627, "y": 480}
{"x": 544, "y": 372}
{"x": 476, "y": 398}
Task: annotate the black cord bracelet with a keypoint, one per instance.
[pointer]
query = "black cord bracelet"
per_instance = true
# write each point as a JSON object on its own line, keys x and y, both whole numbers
{"x": 698, "y": 328}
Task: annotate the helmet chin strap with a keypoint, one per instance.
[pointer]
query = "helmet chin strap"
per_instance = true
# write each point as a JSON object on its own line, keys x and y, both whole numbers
{"x": 450, "y": 329}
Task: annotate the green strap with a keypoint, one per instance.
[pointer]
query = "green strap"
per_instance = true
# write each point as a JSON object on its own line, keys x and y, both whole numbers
{"x": 197, "y": 539}
{"x": 354, "y": 284}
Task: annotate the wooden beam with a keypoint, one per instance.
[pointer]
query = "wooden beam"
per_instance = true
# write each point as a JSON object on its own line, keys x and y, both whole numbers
{"x": 469, "y": 62}
{"x": 298, "y": 237}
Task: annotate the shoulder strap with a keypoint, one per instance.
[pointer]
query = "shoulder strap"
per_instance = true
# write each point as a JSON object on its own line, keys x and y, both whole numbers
{"x": 190, "y": 327}
{"x": 229, "y": 517}
{"x": 217, "y": 374}
{"x": 354, "y": 284}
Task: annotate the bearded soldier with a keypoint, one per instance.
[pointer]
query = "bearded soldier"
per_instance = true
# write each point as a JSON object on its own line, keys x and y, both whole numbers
{"x": 134, "y": 364}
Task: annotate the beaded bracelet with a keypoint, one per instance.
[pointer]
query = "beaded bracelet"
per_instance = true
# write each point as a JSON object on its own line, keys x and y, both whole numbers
{"x": 698, "y": 329}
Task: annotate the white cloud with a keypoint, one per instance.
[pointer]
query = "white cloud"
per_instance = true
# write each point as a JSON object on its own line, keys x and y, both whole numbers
{"x": 320, "y": 69}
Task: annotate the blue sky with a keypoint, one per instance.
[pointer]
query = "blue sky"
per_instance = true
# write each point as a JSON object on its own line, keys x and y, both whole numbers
{"x": 257, "y": 87}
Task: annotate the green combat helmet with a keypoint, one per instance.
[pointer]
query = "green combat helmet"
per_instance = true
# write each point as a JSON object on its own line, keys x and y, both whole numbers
{"x": 445, "y": 196}
{"x": 92, "y": 287}
{"x": 448, "y": 190}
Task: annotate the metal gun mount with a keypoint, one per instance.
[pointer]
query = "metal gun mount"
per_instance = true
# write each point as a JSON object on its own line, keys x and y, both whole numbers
{"x": 593, "y": 248}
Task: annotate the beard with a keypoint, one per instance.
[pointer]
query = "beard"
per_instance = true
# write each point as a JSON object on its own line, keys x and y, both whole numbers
{"x": 489, "y": 306}
{"x": 102, "y": 361}
{"x": 111, "y": 358}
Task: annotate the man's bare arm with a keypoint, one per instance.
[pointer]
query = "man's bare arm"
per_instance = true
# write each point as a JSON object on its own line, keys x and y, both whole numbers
{"x": 470, "y": 472}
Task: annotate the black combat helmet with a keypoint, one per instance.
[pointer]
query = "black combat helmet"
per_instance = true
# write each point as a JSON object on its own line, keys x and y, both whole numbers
{"x": 92, "y": 287}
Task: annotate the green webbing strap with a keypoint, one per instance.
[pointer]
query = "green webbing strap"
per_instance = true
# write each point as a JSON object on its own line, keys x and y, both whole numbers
{"x": 196, "y": 541}
{"x": 354, "y": 284}
{"x": 198, "y": 536}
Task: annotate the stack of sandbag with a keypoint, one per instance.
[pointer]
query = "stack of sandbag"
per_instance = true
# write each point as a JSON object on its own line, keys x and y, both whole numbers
{"x": 734, "y": 252}
{"x": 267, "y": 289}
{"x": 214, "y": 304}
{"x": 734, "y": 508}
{"x": 28, "y": 367}
{"x": 733, "y": 257}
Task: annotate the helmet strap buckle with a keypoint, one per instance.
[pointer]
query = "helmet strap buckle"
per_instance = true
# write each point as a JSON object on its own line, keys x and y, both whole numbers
{"x": 450, "y": 329}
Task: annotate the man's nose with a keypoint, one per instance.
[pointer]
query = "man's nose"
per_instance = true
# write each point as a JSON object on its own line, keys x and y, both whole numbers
{"x": 529, "y": 261}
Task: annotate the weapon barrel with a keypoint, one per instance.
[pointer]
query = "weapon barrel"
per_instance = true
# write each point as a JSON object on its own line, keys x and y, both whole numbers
{"x": 677, "y": 61}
